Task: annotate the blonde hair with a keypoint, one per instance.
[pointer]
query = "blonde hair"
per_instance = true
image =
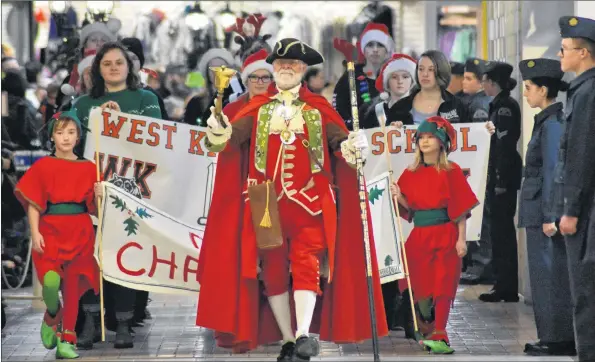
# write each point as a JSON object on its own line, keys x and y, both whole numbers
{"x": 443, "y": 163}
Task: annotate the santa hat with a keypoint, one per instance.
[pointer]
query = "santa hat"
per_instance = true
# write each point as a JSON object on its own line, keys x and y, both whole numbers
{"x": 255, "y": 62}
{"x": 379, "y": 33}
{"x": 395, "y": 63}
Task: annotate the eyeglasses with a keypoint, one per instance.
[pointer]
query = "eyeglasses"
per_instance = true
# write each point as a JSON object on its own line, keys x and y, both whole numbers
{"x": 257, "y": 79}
{"x": 562, "y": 50}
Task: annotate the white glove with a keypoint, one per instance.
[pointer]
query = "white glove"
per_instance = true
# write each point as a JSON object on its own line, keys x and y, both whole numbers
{"x": 214, "y": 124}
{"x": 359, "y": 140}
{"x": 216, "y": 134}
{"x": 354, "y": 141}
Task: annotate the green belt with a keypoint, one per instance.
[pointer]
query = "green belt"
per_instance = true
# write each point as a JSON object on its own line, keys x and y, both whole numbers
{"x": 66, "y": 208}
{"x": 430, "y": 217}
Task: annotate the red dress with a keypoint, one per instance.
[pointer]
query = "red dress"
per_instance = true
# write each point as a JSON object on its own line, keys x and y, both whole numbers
{"x": 69, "y": 239}
{"x": 434, "y": 266}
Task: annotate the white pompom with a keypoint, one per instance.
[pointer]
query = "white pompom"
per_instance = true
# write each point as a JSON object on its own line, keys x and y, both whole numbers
{"x": 114, "y": 25}
{"x": 67, "y": 89}
{"x": 384, "y": 96}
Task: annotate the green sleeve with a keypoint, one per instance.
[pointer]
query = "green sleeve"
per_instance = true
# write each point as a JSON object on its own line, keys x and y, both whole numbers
{"x": 150, "y": 105}
{"x": 82, "y": 107}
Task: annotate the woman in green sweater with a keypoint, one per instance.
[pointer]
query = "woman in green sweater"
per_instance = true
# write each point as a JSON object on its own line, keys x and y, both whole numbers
{"x": 115, "y": 85}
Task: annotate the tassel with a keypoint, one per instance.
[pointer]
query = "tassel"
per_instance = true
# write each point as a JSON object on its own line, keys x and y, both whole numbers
{"x": 266, "y": 219}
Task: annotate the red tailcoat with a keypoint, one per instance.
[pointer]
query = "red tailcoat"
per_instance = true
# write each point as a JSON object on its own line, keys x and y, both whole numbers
{"x": 231, "y": 300}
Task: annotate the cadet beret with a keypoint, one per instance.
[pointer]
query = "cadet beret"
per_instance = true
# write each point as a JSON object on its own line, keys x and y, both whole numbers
{"x": 541, "y": 67}
{"x": 291, "y": 48}
{"x": 577, "y": 27}
{"x": 457, "y": 68}
{"x": 500, "y": 69}
{"x": 475, "y": 65}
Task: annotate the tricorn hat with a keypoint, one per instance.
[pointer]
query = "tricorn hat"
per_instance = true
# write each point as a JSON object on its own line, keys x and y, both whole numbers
{"x": 291, "y": 48}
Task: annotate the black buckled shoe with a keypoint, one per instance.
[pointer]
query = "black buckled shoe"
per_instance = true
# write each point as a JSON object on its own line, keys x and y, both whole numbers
{"x": 306, "y": 347}
{"x": 286, "y": 352}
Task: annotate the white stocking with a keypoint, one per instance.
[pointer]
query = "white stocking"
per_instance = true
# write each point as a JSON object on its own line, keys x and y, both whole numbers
{"x": 280, "y": 306}
{"x": 305, "y": 302}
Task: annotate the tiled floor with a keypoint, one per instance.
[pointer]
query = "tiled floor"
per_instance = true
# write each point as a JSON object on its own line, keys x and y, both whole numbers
{"x": 478, "y": 331}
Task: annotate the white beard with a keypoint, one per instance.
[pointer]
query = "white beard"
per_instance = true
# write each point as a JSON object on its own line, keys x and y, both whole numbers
{"x": 286, "y": 81}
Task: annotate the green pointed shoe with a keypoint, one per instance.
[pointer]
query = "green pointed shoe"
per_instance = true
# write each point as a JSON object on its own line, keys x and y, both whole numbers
{"x": 66, "y": 350}
{"x": 48, "y": 336}
{"x": 438, "y": 347}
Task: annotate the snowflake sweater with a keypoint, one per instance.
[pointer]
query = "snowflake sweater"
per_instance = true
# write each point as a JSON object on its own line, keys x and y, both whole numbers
{"x": 140, "y": 101}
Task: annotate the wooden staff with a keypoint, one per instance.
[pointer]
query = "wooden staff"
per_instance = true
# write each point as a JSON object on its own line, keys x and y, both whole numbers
{"x": 381, "y": 115}
{"x": 99, "y": 231}
{"x": 348, "y": 51}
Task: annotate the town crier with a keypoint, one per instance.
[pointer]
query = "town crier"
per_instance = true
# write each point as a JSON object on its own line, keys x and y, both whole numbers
{"x": 286, "y": 166}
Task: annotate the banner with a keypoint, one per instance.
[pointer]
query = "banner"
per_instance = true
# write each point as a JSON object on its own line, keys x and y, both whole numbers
{"x": 384, "y": 227}
{"x": 165, "y": 165}
{"x": 146, "y": 249}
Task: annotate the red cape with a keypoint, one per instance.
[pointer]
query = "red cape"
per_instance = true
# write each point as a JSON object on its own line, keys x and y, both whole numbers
{"x": 235, "y": 307}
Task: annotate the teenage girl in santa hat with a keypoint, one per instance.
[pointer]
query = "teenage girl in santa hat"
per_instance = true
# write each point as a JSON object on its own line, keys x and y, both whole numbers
{"x": 395, "y": 81}
{"x": 257, "y": 76}
{"x": 434, "y": 194}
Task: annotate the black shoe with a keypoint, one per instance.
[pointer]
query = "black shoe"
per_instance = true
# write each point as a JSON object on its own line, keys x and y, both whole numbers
{"x": 306, "y": 347}
{"x": 494, "y": 297}
{"x": 87, "y": 337}
{"x": 286, "y": 352}
{"x": 550, "y": 349}
{"x": 123, "y": 337}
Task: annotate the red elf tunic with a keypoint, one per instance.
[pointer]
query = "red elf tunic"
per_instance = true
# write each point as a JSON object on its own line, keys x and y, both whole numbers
{"x": 69, "y": 239}
{"x": 434, "y": 266}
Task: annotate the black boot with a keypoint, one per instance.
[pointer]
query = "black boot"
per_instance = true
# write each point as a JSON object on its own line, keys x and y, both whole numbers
{"x": 86, "y": 338}
{"x": 123, "y": 337}
{"x": 286, "y": 352}
{"x": 306, "y": 347}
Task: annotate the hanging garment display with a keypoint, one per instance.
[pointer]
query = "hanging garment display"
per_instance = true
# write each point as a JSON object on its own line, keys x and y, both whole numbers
{"x": 173, "y": 43}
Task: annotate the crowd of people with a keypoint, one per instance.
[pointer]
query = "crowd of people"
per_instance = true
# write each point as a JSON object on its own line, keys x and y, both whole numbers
{"x": 278, "y": 102}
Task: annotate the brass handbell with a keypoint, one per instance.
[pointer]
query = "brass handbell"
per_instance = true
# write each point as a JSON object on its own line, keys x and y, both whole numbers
{"x": 223, "y": 76}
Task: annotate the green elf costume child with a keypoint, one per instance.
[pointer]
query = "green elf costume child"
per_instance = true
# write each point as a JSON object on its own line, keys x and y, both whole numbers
{"x": 58, "y": 193}
{"x": 434, "y": 194}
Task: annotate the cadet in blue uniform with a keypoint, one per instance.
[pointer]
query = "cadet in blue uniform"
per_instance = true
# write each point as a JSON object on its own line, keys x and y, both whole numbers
{"x": 504, "y": 180}
{"x": 548, "y": 267}
{"x": 479, "y": 255}
{"x": 478, "y": 100}
{"x": 577, "y": 181}
{"x": 455, "y": 87}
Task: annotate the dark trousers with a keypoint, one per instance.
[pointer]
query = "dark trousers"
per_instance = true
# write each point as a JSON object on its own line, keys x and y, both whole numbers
{"x": 119, "y": 301}
{"x": 550, "y": 290}
{"x": 580, "y": 249}
{"x": 504, "y": 242}
{"x": 390, "y": 295}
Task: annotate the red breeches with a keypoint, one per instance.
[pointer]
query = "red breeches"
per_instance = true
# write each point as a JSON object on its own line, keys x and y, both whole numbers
{"x": 303, "y": 248}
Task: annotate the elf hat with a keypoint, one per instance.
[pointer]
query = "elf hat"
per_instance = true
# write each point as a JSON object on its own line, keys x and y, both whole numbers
{"x": 255, "y": 62}
{"x": 376, "y": 32}
{"x": 395, "y": 63}
{"x": 71, "y": 115}
{"x": 440, "y": 128}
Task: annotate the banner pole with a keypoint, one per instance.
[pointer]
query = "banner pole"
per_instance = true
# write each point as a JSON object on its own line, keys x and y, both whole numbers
{"x": 99, "y": 232}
